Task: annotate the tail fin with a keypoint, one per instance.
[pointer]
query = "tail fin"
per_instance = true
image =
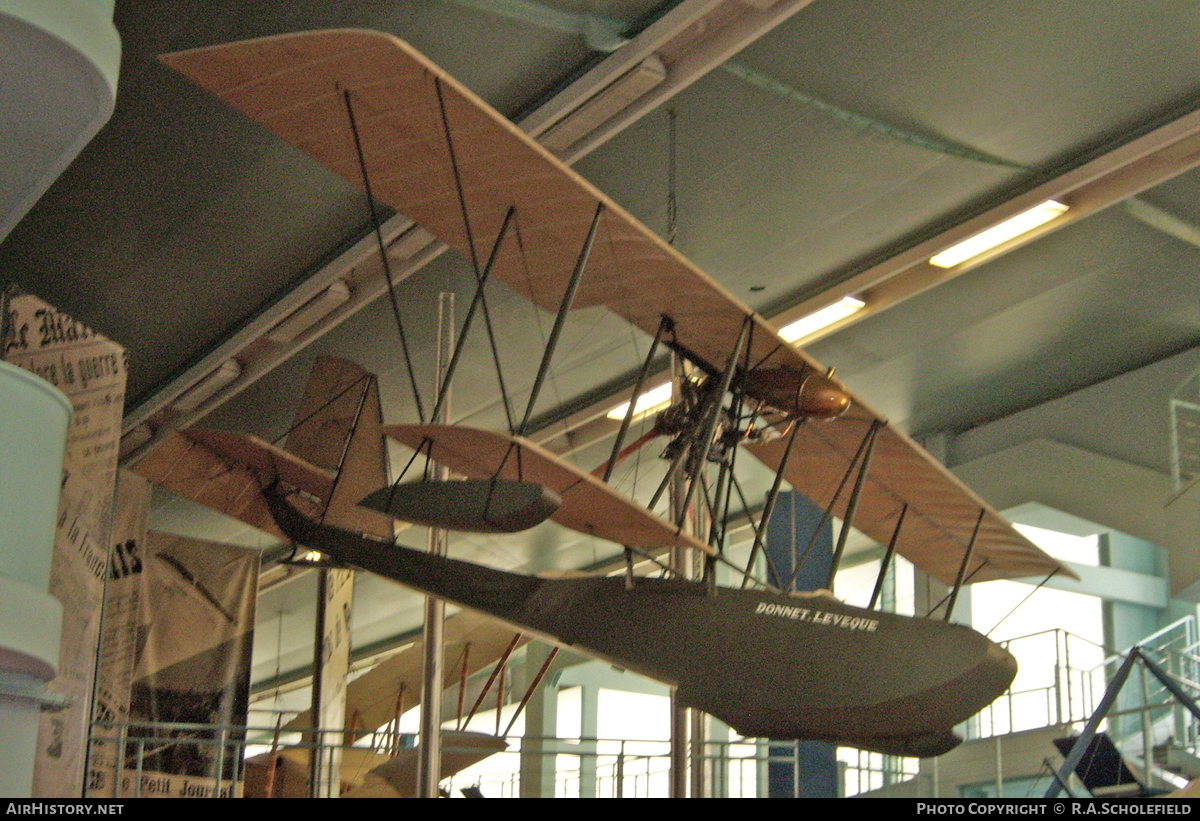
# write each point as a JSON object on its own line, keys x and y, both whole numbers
{"x": 338, "y": 427}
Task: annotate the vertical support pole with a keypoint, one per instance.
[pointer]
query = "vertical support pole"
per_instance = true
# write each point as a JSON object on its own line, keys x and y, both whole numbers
{"x": 696, "y": 561}
{"x": 999, "y": 767}
{"x": 589, "y": 729}
{"x": 1147, "y": 730}
{"x": 680, "y": 721}
{"x": 539, "y": 745}
{"x": 429, "y": 759}
{"x": 316, "y": 774}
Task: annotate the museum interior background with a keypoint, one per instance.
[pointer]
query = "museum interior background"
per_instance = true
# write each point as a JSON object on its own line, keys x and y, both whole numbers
{"x": 158, "y": 246}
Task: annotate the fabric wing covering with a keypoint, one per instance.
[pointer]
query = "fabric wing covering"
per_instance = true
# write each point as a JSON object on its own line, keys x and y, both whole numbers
{"x": 942, "y": 511}
{"x": 427, "y": 140}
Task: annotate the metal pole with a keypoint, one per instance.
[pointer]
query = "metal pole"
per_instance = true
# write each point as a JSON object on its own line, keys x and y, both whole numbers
{"x": 696, "y": 730}
{"x": 760, "y": 532}
{"x": 315, "y": 770}
{"x": 852, "y": 504}
{"x": 1175, "y": 689}
{"x": 663, "y": 325}
{"x": 680, "y": 722}
{"x": 429, "y": 758}
{"x": 446, "y": 374}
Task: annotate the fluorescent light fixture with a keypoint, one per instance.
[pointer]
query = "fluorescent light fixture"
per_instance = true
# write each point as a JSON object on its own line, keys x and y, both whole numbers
{"x": 823, "y": 318}
{"x": 310, "y": 313}
{"x": 1012, "y": 227}
{"x": 649, "y": 402}
{"x": 207, "y": 387}
{"x": 135, "y": 438}
{"x": 614, "y": 98}
{"x": 410, "y": 243}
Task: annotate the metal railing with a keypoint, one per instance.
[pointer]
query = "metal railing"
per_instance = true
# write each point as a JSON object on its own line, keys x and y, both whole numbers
{"x": 1146, "y": 720}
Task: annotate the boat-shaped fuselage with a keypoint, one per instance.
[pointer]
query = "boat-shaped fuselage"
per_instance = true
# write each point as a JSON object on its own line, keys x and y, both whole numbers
{"x": 768, "y": 664}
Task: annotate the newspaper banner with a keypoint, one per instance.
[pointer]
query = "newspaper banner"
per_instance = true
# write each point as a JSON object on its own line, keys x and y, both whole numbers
{"x": 91, "y": 371}
{"x": 120, "y": 640}
{"x": 193, "y": 619}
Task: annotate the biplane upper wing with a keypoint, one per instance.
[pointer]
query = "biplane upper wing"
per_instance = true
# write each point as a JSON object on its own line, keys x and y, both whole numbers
{"x": 443, "y": 157}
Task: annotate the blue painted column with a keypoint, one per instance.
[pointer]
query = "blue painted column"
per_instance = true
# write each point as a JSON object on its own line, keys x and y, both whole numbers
{"x": 793, "y": 521}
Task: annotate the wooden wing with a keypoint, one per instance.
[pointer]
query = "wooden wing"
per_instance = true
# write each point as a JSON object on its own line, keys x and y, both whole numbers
{"x": 589, "y": 505}
{"x": 332, "y": 467}
{"x": 443, "y": 157}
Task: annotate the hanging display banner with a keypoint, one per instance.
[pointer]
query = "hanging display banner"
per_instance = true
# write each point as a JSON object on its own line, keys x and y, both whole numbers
{"x": 193, "y": 618}
{"x": 120, "y": 640}
{"x": 91, "y": 370}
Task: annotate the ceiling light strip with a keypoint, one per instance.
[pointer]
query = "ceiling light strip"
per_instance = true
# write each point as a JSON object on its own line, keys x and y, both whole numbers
{"x": 999, "y": 234}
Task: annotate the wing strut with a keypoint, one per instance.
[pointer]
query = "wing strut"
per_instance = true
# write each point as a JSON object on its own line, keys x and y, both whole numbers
{"x": 768, "y": 509}
{"x": 725, "y": 477}
{"x": 812, "y": 540}
{"x": 529, "y": 692}
{"x": 962, "y": 568}
{"x": 358, "y": 412}
{"x": 383, "y": 257}
{"x": 756, "y": 527}
{"x": 481, "y": 280}
{"x": 887, "y": 558}
{"x": 852, "y": 505}
{"x": 714, "y": 417}
{"x": 664, "y": 324}
{"x": 496, "y": 671}
{"x": 462, "y": 204}
{"x": 560, "y": 320}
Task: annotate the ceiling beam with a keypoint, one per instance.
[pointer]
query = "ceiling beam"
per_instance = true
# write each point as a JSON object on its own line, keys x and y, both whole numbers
{"x": 1114, "y": 176}
{"x": 1106, "y": 180}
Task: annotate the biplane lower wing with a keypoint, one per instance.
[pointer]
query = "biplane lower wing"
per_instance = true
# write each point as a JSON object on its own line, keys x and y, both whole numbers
{"x": 588, "y": 505}
{"x": 366, "y": 773}
{"x": 941, "y": 515}
{"x": 394, "y": 685}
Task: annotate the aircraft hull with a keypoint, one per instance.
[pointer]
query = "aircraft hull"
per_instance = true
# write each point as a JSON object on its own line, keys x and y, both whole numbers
{"x": 769, "y": 665}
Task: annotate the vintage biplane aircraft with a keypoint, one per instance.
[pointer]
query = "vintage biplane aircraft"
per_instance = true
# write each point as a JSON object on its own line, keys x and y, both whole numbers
{"x": 768, "y": 661}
